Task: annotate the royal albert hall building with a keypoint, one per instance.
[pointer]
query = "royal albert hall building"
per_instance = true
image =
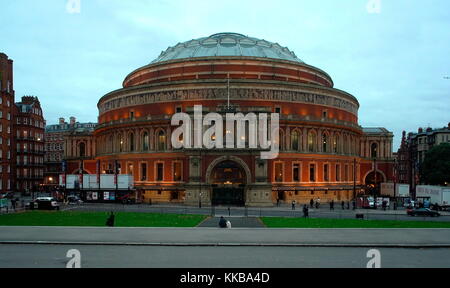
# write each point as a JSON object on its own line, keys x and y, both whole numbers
{"x": 324, "y": 153}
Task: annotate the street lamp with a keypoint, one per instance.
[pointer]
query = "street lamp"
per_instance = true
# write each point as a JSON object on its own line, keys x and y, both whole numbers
{"x": 375, "y": 182}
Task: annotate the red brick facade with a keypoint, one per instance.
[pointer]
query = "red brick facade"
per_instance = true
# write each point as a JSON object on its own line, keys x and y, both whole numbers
{"x": 7, "y": 151}
{"x": 324, "y": 153}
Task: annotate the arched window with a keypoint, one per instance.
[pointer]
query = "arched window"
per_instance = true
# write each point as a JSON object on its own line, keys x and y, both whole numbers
{"x": 374, "y": 150}
{"x": 120, "y": 142}
{"x": 82, "y": 149}
{"x": 161, "y": 141}
{"x": 345, "y": 144}
{"x": 131, "y": 141}
{"x": 282, "y": 141}
{"x": 335, "y": 144}
{"x": 111, "y": 144}
{"x": 324, "y": 142}
{"x": 312, "y": 141}
{"x": 145, "y": 141}
{"x": 295, "y": 141}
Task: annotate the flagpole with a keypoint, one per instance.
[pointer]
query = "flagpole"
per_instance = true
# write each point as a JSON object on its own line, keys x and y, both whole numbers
{"x": 228, "y": 91}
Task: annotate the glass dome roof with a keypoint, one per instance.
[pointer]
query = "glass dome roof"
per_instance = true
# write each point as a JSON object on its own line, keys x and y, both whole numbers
{"x": 227, "y": 44}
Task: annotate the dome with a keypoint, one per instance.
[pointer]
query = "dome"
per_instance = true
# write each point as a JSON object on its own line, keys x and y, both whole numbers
{"x": 227, "y": 44}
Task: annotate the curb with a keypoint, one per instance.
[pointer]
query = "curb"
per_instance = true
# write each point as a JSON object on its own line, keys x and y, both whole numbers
{"x": 324, "y": 245}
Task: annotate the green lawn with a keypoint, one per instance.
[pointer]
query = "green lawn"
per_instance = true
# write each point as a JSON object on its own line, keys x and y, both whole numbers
{"x": 278, "y": 222}
{"x": 98, "y": 219}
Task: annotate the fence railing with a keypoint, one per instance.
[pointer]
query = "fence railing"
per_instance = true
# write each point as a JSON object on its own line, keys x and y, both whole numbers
{"x": 254, "y": 212}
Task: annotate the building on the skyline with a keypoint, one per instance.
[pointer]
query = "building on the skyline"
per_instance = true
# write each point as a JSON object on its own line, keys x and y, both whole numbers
{"x": 56, "y": 137}
{"x": 29, "y": 133}
{"x": 79, "y": 146}
{"x": 413, "y": 149}
{"x": 324, "y": 153}
{"x": 7, "y": 151}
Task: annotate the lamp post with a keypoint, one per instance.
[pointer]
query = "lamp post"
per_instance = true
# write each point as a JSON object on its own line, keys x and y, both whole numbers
{"x": 375, "y": 182}
{"x": 354, "y": 179}
{"x": 395, "y": 182}
{"x": 200, "y": 190}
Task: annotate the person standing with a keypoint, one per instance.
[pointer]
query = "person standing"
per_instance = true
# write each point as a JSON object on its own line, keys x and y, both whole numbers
{"x": 332, "y": 205}
{"x": 305, "y": 211}
{"x": 311, "y": 203}
{"x": 293, "y": 204}
{"x": 222, "y": 222}
{"x": 13, "y": 204}
{"x": 343, "y": 205}
{"x": 111, "y": 220}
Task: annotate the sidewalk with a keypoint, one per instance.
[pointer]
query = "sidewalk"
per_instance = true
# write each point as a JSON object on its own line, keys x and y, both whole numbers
{"x": 394, "y": 238}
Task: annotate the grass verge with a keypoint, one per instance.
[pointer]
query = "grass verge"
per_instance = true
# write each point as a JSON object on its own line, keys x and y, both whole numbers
{"x": 98, "y": 219}
{"x": 279, "y": 222}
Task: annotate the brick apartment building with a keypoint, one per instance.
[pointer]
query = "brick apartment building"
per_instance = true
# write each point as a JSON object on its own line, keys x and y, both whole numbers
{"x": 7, "y": 153}
{"x": 29, "y": 132}
{"x": 412, "y": 152}
{"x": 59, "y": 136}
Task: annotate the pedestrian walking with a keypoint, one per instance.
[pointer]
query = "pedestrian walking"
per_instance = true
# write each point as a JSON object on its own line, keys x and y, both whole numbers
{"x": 332, "y": 205}
{"x": 354, "y": 204}
{"x": 13, "y": 204}
{"x": 311, "y": 203}
{"x": 348, "y": 205}
{"x": 305, "y": 211}
{"x": 222, "y": 222}
{"x": 278, "y": 202}
{"x": 343, "y": 205}
{"x": 293, "y": 205}
{"x": 317, "y": 205}
{"x": 111, "y": 219}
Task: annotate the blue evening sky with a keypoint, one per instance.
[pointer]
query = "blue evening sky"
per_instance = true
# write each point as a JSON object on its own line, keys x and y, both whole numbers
{"x": 394, "y": 61}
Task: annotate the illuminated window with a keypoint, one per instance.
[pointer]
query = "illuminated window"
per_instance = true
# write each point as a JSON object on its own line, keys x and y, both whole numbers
{"x": 311, "y": 141}
{"x": 120, "y": 139}
{"x": 278, "y": 172}
{"x": 145, "y": 141}
{"x": 161, "y": 141}
{"x": 177, "y": 174}
{"x": 324, "y": 143}
{"x": 335, "y": 144}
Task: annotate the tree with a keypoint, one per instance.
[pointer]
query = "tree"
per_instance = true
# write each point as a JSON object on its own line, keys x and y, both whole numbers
{"x": 435, "y": 169}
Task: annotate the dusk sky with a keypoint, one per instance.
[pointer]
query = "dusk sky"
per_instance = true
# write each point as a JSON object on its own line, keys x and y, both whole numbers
{"x": 394, "y": 62}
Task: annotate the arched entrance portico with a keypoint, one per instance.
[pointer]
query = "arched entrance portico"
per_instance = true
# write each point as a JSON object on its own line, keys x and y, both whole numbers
{"x": 370, "y": 178}
{"x": 228, "y": 180}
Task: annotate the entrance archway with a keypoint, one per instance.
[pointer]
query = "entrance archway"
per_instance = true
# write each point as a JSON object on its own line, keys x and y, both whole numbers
{"x": 373, "y": 182}
{"x": 370, "y": 178}
{"x": 228, "y": 179}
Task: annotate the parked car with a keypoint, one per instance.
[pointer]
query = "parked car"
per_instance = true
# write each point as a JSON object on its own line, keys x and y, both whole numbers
{"x": 422, "y": 212}
{"x": 44, "y": 203}
{"x": 74, "y": 200}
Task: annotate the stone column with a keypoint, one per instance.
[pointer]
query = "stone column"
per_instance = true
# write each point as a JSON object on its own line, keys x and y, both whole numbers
{"x": 195, "y": 185}
{"x": 287, "y": 138}
{"x": 168, "y": 138}
{"x": 260, "y": 193}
